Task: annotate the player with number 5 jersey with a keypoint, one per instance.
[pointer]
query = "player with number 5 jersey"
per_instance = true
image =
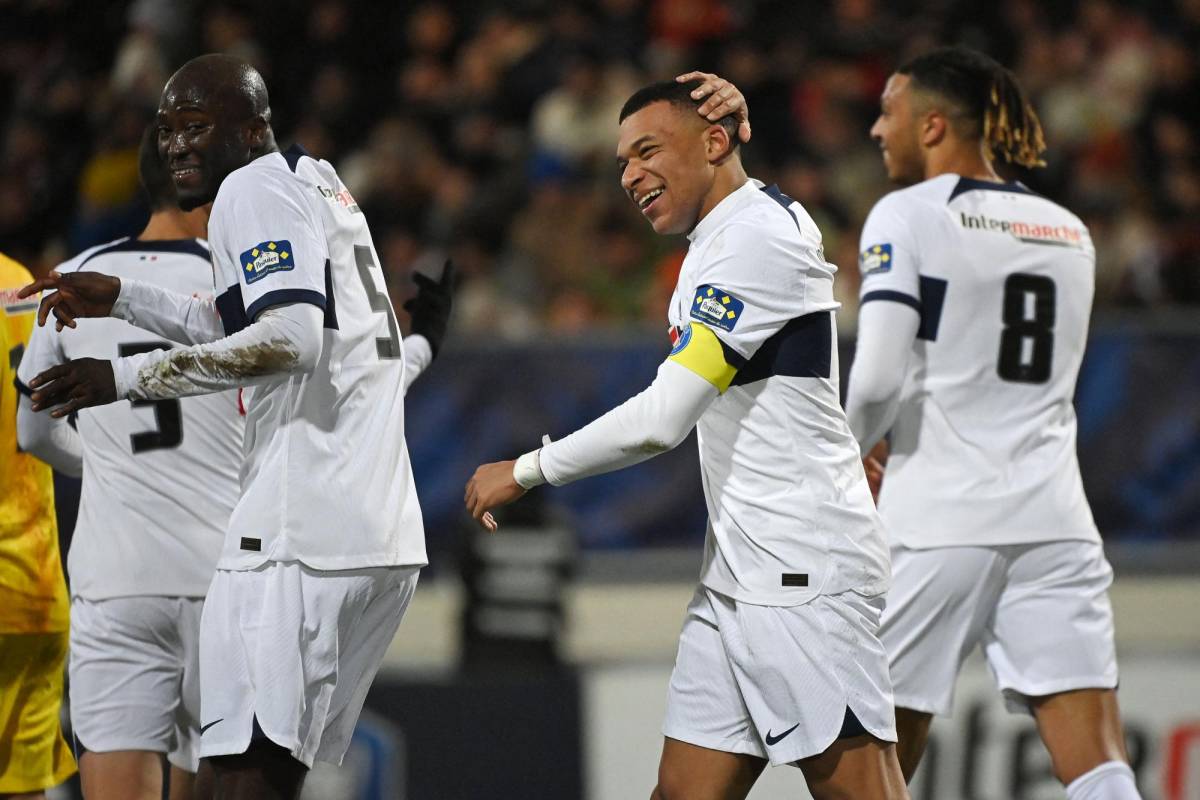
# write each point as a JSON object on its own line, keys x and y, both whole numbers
{"x": 324, "y": 545}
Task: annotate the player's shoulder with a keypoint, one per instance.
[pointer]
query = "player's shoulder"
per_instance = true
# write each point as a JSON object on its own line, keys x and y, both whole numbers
{"x": 916, "y": 199}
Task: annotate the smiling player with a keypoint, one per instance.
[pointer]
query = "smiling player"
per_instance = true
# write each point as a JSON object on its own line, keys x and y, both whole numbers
{"x": 778, "y": 659}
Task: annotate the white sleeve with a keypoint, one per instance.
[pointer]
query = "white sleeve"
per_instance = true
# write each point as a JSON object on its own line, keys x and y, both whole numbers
{"x": 284, "y": 340}
{"x": 885, "y": 337}
{"x": 889, "y": 259}
{"x": 417, "y": 356}
{"x": 650, "y": 423}
{"x": 51, "y": 439}
{"x": 268, "y": 246}
{"x": 188, "y": 320}
{"x": 754, "y": 283}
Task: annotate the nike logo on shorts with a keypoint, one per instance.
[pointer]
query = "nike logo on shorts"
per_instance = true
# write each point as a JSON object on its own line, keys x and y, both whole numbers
{"x": 203, "y": 728}
{"x": 771, "y": 740}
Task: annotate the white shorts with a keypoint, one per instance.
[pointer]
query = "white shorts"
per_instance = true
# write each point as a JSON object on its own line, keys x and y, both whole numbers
{"x": 294, "y": 651}
{"x": 1040, "y": 612}
{"x": 777, "y": 682}
{"x": 134, "y": 669}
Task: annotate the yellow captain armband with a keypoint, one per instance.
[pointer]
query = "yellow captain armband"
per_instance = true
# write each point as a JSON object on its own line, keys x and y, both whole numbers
{"x": 699, "y": 349}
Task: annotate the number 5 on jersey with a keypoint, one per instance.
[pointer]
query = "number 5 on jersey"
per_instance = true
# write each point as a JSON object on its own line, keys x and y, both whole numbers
{"x": 389, "y": 346}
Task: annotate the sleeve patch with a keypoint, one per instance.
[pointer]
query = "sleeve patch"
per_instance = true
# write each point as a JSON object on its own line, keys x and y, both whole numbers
{"x": 876, "y": 258}
{"x": 699, "y": 350}
{"x": 716, "y": 307}
{"x": 266, "y": 257}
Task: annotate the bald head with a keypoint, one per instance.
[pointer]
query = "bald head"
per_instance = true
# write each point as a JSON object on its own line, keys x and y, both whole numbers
{"x": 213, "y": 117}
{"x": 227, "y": 83}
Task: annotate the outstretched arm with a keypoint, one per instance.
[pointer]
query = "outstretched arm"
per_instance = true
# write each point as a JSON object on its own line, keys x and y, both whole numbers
{"x": 189, "y": 320}
{"x": 283, "y": 340}
{"x": 72, "y": 295}
{"x": 650, "y": 423}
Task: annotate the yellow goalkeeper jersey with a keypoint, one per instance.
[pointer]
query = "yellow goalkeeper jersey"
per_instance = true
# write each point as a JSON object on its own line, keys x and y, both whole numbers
{"x": 33, "y": 595}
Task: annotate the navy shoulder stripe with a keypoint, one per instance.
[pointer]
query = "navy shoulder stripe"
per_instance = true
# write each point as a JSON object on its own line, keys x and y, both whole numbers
{"x": 778, "y": 196}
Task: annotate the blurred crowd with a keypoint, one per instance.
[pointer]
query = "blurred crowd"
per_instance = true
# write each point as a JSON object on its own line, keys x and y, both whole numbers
{"x": 486, "y": 132}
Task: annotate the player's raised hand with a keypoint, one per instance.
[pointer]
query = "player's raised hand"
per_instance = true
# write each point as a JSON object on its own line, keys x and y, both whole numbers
{"x": 430, "y": 309}
{"x": 73, "y": 295}
{"x": 874, "y": 463}
{"x": 491, "y": 486}
{"x": 723, "y": 98}
{"x": 76, "y": 384}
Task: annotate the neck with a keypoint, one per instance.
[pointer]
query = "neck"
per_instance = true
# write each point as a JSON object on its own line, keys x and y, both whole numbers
{"x": 729, "y": 178}
{"x": 174, "y": 223}
{"x": 961, "y": 158}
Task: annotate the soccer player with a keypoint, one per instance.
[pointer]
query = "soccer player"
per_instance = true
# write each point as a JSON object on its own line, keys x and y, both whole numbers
{"x": 322, "y": 552}
{"x": 160, "y": 482}
{"x": 33, "y": 596}
{"x": 975, "y": 302}
{"x": 778, "y": 658}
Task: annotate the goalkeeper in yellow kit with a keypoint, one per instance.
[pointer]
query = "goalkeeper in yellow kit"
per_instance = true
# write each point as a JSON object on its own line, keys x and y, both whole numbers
{"x": 33, "y": 595}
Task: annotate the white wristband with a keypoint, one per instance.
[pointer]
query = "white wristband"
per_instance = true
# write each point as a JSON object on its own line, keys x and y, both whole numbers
{"x": 527, "y": 472}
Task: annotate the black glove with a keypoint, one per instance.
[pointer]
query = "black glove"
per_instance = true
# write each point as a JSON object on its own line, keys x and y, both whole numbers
{"x": 430, "y": 309}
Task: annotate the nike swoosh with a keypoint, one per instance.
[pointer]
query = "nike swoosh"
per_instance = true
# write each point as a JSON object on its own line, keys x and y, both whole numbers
{"x": 203, "y": 728}
{"x": 773, "y": 740}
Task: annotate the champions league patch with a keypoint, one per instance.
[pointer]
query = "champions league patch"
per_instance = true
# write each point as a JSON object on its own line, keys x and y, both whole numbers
{"x": 877, "y": 258}
{"x": 715, "y": 307}
{"x": 267, "y": 257}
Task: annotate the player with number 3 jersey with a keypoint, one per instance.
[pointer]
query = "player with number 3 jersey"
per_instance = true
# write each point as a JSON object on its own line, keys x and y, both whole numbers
{"x": 160, "y": 479}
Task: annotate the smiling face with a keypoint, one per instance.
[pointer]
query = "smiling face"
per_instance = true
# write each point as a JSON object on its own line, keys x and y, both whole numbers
{"x": 665, "y": 167}
{"x": 897, "y": 131}
{"x": 199, "y": 141}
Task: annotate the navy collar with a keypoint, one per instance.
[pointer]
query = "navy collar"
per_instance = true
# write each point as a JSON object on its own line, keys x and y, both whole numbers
{"x": 184, "y": 246}
{"x": 974, "y": 184}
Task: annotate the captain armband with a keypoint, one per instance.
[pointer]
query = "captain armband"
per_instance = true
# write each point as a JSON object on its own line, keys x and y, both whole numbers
{"x": 699, "y": 350}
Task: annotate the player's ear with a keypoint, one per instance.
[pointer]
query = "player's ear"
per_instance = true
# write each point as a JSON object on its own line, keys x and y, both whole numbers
{"x": 717, "y": 144}
{"x": 933, "y": 128}
{"x": 256, "y": 133}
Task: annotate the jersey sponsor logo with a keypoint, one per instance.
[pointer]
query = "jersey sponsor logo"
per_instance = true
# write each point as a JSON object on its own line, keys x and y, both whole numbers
{"x": 16, "y": 305}
{"x": 717, "y": 307}
{"x": 266, "y": 257}
{"x": 680, "y": 338}
{"x": 343, "y": 198}
{"x": 1028, "y": 232}
{"x": 876, "y": 258}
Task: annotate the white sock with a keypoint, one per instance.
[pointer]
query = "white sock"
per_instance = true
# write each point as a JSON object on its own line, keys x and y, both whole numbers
{"x": 1112, "y": 780}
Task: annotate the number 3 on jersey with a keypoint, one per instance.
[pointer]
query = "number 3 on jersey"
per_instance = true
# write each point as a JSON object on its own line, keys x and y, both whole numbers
{"x": 389, "y": 346}
{"x": 168, "y": 415}
{"x": 1027, "y": 343}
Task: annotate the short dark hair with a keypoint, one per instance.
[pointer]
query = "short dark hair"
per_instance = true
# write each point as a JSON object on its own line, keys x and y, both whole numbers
{"x": 153, "y": 173}
{"x": 987, "y": 98}
{"x": 679, "y": 95}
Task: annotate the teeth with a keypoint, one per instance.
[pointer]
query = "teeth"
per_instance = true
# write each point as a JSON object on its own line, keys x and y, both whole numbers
{"x": 649, "y": 197}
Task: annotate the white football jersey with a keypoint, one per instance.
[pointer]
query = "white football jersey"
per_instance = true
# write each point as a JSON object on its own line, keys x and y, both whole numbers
{"x": 983, "y": 448}
{"x": 790, "y": 513}
{"x": 326, "y": 479}
{"x": 160, "y": 478}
